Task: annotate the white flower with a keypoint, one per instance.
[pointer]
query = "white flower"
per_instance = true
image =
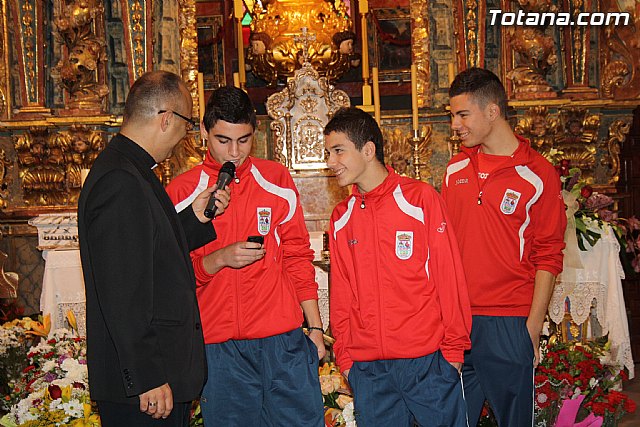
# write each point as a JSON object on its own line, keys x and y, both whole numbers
{"x": 75, "y": 371}
{"x": 347, "y": 413}
{"x": 74, "y": 408}
{"x": 49, "y": 366}
{"x": 55, "y": 404}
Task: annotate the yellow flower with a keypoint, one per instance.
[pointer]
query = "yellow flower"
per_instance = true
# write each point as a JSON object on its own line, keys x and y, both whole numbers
{"x": 66, "y": 393}
{"x": 71, "y": 318}
{"x": 343, "y": 399}
{"x": 41, "y": 329}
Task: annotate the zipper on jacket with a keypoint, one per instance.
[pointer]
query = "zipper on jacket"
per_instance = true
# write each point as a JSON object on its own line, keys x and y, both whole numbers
{"x": 376, "y": 268}
{"x": 480, "y": 197}
{"x": 237, "y": 274}
{"x": 235, "y": 177}
{"x": 362, "y": 205}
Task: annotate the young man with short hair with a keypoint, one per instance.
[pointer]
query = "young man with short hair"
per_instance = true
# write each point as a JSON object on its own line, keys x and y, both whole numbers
{"x": 505, "y": 206}
{"x": 263, "y": 370}
{"x": 399, "y": 307}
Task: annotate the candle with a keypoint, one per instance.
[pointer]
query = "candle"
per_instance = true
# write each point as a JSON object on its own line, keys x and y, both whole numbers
{"x": 414, "y": 96}
{"x": 238, "y": 11}
{"x": 201, "y": 94}
{"x": 236, "y": 80}
{"x": 452, "y": 73}
{"x": 83, "y": 176}
{"x": 363, "y": 8}
{"x": 376, "y": 95}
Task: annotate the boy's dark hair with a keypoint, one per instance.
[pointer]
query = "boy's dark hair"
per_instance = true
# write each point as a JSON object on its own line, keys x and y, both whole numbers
{"x": 230, "y": 104}
{"x": 359, "y": 127}
{"x": 483, "y": 86}
{"x": 153, "y": 91}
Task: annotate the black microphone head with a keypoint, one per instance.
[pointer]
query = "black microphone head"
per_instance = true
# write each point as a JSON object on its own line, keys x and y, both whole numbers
{"x": 228, "y": 167}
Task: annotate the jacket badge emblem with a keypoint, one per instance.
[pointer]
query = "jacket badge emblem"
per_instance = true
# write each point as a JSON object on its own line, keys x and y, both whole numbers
{"x": 509, "y": 201}
{"x": 264, "y": 221}
{"x": 404, "y": 244}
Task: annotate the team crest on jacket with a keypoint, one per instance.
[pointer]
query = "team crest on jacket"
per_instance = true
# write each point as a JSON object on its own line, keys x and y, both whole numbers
{"x": 509, "y": 201}
{"x": 264, "y": 220}
{"x": 404, "y": 244}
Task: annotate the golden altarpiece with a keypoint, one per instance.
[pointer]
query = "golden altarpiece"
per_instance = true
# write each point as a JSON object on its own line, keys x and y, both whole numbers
{"x": 66, "y": 65}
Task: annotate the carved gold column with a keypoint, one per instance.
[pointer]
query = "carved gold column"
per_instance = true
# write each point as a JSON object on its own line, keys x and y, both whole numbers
{"x": 470, "y": 15}
{"x": 577, "y": 51}
{"x": 27, "y": 27}
{"x": 135, "y": 16}
{"x": 420, "y": 49}
{"x": 5, "y": 93}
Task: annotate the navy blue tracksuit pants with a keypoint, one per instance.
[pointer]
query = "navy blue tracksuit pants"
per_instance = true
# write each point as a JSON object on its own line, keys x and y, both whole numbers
{"x": 397, "y": 392}
{"x": 265, "y": 382}
{"x": 499, "y": 368}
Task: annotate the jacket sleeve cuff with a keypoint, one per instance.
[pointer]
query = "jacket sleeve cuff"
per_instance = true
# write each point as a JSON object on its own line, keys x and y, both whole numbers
{"x": 307, "y": 294}
{"x": 202, "y": 276}
{"x": 197, "y": 233}
{"x": 555, "y": 270}
{"x": 453, "y": 355}
{"x": 344, "y": 364}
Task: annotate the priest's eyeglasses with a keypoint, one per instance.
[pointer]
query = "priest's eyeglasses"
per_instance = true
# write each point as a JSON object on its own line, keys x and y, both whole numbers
{"x": 190, "y": 122}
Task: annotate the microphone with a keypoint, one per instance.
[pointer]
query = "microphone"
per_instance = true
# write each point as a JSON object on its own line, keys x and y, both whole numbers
{"x": 225, "y": 176}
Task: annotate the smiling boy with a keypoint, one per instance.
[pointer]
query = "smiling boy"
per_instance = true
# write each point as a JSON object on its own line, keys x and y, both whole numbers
{"x": 399, "y": 307}
{"x": 504, "y": 202}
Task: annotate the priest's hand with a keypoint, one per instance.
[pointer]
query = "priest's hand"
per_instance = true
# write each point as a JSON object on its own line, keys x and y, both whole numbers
{"x": 157, "y": 402}
{"x": 221, "y": 196}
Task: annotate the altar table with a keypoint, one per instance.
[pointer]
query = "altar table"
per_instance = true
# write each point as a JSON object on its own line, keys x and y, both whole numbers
{"x": 599, "y": 279}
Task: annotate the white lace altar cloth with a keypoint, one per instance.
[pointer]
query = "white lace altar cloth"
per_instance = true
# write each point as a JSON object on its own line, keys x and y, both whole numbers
{"x": 63, "y": 289}
{"x": 599, "y": 280}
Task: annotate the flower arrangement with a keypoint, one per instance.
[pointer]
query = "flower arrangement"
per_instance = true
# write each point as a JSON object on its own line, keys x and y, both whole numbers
{"x": 338, "y": 401}
{"x": 14, "y": 343}
{"x": 593, "y": 212}
{"x": 569, "y": 371}
{"x": 52, "y": 389}
{"x": 573, "y": 384}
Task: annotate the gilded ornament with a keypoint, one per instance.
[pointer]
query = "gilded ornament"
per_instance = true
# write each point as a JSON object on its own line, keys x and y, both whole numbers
{"x": 540, "y": 128}
{"x": 274, "y": 52}
{"x": 534, "y": 54}
{"x": 299, "y": 112}
{"x": 78, "y": 73}
{"x": 618, "y": 131}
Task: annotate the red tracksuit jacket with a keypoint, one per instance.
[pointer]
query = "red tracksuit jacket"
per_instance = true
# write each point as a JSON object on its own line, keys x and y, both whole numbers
{"x": 516, "y": 229}
{"x": 397, "y": 286}
{"x": 263, "y": 298}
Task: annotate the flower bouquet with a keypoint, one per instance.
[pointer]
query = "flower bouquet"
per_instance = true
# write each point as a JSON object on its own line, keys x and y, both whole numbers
{"x": 14, "y": 343}
{"x": 569, "y": 371}
{"x": 591, "y": 212}
{"x": 336, "y": 394}
{"x": 52, "y": 389}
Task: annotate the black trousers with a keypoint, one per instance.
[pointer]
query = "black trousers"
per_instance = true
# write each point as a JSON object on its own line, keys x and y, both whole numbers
{"x": 125, "y": 415}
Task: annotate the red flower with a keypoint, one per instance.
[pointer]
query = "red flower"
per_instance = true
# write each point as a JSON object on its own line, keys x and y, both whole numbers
{"x": 55, "y": 392}
{"x": 28, "y": 368}
{"x": 586, "y": 191}
{"x": 629, "y": 406}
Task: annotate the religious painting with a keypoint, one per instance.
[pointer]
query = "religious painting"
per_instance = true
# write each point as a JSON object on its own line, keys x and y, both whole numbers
{"x": 211, "y": 51}
{"x": 389, "y": 33}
